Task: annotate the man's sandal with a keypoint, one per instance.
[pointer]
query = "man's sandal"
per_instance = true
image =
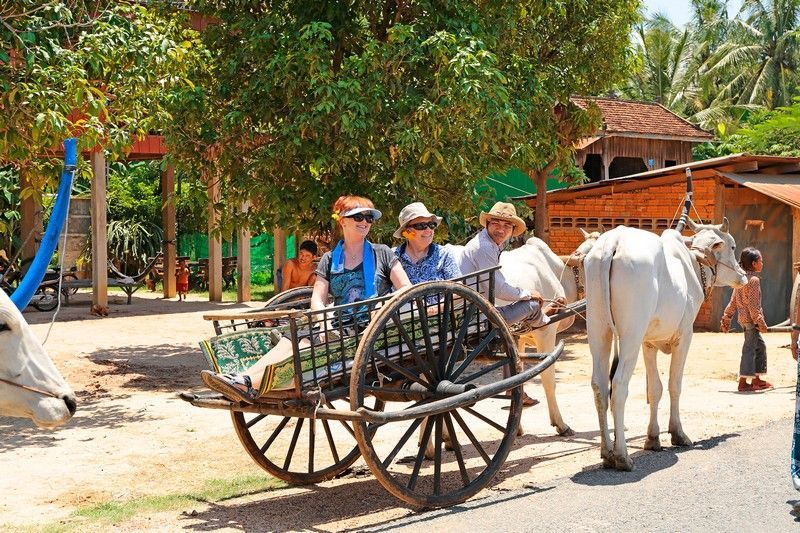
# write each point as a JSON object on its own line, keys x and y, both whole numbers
{"x": 234, "y": 387}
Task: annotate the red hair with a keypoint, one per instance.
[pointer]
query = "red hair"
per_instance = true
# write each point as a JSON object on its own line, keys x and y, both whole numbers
{"x": 348, "y": 201}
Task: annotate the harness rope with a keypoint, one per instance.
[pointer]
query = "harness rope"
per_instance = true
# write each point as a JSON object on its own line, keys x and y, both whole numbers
{"x": 29, "y": 388}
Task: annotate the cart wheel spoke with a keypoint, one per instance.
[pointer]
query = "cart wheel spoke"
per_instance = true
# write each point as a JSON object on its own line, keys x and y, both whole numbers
{"x": 485, "y": 370}
{"x": 290, "y": 451}
{"x": 312, "y": 434}
{"x": 471, "y": 436}
{"x": 486, "y": 419}
{"x": 458, "y": 343}
{"x": 402, "y": 442}
{"x": 422, "y": 362}
{"x": 484, "y": 342}
{"x": 331, "y": 443}
{"x": 462, "y": 468}
{"x": 255, "y": 421}
{"x": 275, "y": 434}
{"x": 426, "y": 335}
{"x": 423, "y": 445}
{"x": 437, "y": 459}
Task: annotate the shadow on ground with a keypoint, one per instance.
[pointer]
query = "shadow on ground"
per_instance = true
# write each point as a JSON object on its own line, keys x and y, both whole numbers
{"x": 644, "y": 464}
{"x": 22, "y": 433}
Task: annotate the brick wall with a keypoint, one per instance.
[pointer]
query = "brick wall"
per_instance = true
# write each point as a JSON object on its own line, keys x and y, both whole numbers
{"x": 652, "y": 208}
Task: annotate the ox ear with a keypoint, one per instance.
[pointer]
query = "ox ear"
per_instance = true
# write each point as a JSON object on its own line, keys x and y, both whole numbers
{"x": 602, "y": 228}
{"x": 583, "y": 232}
{"x": 688, "y": 241}
{"x": 725, "y": 225}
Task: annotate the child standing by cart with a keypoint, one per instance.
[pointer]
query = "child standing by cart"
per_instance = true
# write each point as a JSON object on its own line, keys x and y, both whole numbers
{"x": 182, "y": 279}
{"x": 747, "y": 301}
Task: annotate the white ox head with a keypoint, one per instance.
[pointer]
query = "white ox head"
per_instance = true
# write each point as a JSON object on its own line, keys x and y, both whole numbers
{"x": 48, "y": 400}
{"x": 714, "y": 247}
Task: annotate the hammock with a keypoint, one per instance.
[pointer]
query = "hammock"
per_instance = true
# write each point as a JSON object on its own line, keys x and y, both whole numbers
{"x": 136, "y": 278}
{"x": 27, "y": 287}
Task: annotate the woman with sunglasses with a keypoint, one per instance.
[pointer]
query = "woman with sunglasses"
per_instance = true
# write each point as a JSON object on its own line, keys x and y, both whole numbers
{"x": 354, "y": 270}
{"x": 423, "y": 260}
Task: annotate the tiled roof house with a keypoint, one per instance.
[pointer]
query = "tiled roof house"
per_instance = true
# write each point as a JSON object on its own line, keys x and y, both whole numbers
{"x": 635, "y": 137}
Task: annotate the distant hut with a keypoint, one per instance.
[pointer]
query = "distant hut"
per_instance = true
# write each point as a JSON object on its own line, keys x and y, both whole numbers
{"x": 635, "y": 137}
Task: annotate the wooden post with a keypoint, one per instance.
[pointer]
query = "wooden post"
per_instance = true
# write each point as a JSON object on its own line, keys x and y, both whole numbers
{"x": 795, "y": 239}
{"x": 278, "y": 255}
{"x": 243, "y": 262}
{"x": 30, "y": 224}
{"x": 99, "y": 231}
{"x": 717, "y": 303}
{"x": 168, "y": 222}
{"x": 214, "y": 243}
{"x": 605, "y": 159}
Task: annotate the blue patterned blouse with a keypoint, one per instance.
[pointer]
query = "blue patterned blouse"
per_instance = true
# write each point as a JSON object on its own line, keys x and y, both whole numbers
{"x": 439, "y": 264}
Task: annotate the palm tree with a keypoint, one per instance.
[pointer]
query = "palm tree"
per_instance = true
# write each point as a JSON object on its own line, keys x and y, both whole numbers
{"x": 761, "y": 56}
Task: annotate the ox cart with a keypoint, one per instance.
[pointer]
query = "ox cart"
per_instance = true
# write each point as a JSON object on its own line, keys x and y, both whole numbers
{"x": 424, "y": 384}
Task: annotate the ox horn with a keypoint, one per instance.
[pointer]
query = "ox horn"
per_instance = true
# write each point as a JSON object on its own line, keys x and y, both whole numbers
{"x": 725, "y": 225}
{"x": 690, "y": 224}
{"x": 584, "y": 233}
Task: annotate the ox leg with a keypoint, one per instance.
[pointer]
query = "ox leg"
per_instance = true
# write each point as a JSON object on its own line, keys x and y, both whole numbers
{"x": 628, "y": 353}
{"x": 654, "y": 391}
{"x": 545, "y": 342}
{"x": 679, "y": 354}
{"x": 430, "y": 448}
{"x": 600, "y": 346}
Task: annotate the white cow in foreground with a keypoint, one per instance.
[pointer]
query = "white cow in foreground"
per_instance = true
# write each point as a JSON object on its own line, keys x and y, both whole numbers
{"x": 30, "y": 385}
{"x": 534, "y": 266}
{"x": 647, "y": 291}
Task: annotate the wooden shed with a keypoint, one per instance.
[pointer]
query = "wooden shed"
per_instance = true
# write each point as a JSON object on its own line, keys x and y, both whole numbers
{"x": 760, "y": 196}
{"x": 635, "y": 137}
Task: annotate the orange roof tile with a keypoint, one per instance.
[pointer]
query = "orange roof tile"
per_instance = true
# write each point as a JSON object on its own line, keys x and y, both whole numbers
{"x": 641, "y": 118}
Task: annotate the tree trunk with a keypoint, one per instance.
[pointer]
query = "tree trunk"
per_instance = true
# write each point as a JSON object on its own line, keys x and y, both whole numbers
{"x": 541, "y": 220}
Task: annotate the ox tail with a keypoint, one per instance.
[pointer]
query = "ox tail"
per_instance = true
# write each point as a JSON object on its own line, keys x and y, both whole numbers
{"x": 606, "y": 262}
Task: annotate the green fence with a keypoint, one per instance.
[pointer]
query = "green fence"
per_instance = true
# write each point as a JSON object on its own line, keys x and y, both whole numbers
{"x": 262, "y": 247}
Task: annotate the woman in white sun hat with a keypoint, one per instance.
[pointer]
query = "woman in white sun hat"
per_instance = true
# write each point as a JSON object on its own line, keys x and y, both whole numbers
{"x": 421, "y": 258}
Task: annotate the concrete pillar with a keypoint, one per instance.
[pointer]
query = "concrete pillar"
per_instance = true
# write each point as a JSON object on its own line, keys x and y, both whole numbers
{"x": 99, "y": 230}
{"x": 168, "y": 223}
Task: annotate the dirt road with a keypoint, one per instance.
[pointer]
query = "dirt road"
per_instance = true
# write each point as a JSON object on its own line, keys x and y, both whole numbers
{"x": 133, "y": 438}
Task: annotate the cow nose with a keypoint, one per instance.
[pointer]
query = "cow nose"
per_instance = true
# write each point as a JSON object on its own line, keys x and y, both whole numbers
{"x": 72, "y": 405}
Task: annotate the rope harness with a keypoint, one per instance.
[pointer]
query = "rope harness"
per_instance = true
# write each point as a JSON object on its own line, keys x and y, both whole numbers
{"x": 28, "y": 388}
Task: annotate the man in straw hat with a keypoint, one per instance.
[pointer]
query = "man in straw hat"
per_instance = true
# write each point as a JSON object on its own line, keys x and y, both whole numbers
{"x": 527, "y": 310}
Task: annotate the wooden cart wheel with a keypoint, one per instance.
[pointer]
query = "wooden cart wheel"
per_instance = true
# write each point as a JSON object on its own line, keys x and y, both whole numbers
{"x": 299, "y": 451}
{"x": 480, "y": 434}
{"x": 292, "y": 295}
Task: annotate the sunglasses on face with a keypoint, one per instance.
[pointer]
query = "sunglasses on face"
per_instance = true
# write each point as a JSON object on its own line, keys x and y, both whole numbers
{"x": 360, "y": 217}
{"x": 419, "y": 226}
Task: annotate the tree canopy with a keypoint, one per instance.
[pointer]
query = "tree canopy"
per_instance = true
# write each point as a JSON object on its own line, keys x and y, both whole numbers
{"x": 100, "y": 69}
{"x": 398, "y": 101}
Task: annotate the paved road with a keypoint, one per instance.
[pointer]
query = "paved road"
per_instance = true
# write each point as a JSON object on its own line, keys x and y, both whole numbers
{"x": 735, "y": 482}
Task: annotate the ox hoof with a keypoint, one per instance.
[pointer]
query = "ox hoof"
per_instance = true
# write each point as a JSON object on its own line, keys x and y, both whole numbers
{"x": 520, "y": 431}
{"x": 566, "y": 432}
{"x": 623, "y": 463}
{"x": 680, "y": 439}
{"x": 652, "y": 443}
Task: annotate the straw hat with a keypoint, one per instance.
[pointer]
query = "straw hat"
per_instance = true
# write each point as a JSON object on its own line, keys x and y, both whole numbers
{"x": 507, "y": 212}
{"x": 3, "y": 256}
{"x": 409, "y": 213}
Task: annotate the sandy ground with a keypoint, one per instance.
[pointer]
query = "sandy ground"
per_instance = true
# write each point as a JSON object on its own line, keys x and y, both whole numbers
{"x": 133, "y": 437}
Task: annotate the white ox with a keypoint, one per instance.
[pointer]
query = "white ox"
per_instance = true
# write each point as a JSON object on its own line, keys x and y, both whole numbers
{"x": 30, "y": 385}
{"x": 647, "y": 291}
{"x": 534, "y": 266}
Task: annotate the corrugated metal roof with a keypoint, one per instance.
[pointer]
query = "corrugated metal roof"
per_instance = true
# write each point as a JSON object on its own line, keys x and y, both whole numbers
{"x": 782, "y": 187}
{"x": 677, "y": 172}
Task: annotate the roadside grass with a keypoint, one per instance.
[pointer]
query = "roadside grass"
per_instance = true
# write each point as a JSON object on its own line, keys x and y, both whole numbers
{"x": 115, "y": 512}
